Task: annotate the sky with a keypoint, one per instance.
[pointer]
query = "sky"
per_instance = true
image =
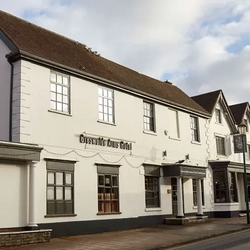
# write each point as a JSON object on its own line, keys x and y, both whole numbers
{"x": 199, "y": 45}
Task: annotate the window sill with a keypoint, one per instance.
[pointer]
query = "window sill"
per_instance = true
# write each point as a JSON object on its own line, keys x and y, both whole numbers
{"x": 149, "y": 132}
{"x": 226, "y": 203}
{"x": 108, "y": 123}
{"x": 196, "y": 142}
{"x": 59, "y": 113}
{"x": 153, "y": 209}
{"x": 109, "y": 213}
{"x": 174, "y": 138}
{"x": 59, "y": 215}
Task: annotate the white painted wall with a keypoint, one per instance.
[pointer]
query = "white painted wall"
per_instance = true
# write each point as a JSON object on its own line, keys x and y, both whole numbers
{"x": 5, "y": 72}
{"x": 13, "y": 195}
{"x": 59, "y": 134}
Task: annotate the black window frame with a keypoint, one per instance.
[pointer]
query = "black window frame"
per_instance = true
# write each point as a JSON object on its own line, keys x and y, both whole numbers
{"x": 194, "y": 125}
{"x": 220, "y": 145}
{"x": 221, "y": 189}
{"x": 233, "y": 187}
{"x": 149, "y": 116}
{"x": 60, "y": 207}
{"x": 152, "y": 188}
{"x": 105, "y": 198}
{"x": 195, "y": 190}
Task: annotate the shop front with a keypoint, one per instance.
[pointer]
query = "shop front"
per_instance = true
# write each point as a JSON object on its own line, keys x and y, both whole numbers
{"x": 228, "y": 184}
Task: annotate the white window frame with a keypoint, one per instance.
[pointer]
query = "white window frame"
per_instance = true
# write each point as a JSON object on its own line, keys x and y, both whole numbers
{"x": 219, "y": 151}
{"x": 59, "y": 92}
{"x": 149, "y": 116}
{"x": 106, "y": 105}
{"x": 218, "y": 116}
{"x": 194, "y": 128}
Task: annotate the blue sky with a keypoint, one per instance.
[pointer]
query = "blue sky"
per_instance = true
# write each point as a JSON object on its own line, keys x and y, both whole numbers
{"x": 199, "y": 45}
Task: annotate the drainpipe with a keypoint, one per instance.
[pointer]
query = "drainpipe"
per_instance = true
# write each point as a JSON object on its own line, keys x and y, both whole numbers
{"x": 11, "y": 100}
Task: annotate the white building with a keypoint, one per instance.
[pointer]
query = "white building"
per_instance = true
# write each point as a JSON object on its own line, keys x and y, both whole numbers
{"x": 109, "y": 148}
{"x": 226, "y": 166}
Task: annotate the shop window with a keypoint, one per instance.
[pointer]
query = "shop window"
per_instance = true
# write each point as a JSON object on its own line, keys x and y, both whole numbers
{"x": 152, "y": 191}
{"x": 232, "y": 187}
{"x": 108, "y": 193}
{"x": 60, "y": 188}
{"x": 195, "y": 190}
{"x": 220, "y": 186}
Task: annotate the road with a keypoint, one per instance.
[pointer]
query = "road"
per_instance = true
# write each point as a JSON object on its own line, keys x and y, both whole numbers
{"x": 236, "y": 241}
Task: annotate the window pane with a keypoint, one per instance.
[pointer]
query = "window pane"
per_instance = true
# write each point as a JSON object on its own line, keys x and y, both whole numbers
{"x": 50, "y": 193}
{"x": 59, "y": 178}
{"x": 60, "y": 207}
{"x": 53, "y": 96}
{"x": 110, "y": 94}
{"x": 100, "y": 91}
{"x": 68, "y": 178}
{"x": 51, "y": 207}
{"x": 100, "y": 100}
{"x": 100, "y": 116}
{"x": 69, "y": 207}
{"x": 59, "y": 79}
{"x": 65, "y": 90}
{"x": 101, "y": 206}
{"x": 68, "y": 193}
{"x": 53, "y": 105}
{"x": 59, "y": 97}
{"x": 65, "y": 99}
{"x": 105, "y": 93}
{"x": 107, "y": 180}
{"x": 110, "y": 118}
{"x": 105, "y": 117}
{"x": 65, "y": 108}
{"x": 100, "y": 180}
{"x": 59, "y": 193}
{"x": 105, "y": 102}
{"x": 51, "y": 179}
{"x": 59, "y": 106}
{"x": 53, "y": 77}
{"x": 53, "y": 87}
{"x": 65, "y": 80}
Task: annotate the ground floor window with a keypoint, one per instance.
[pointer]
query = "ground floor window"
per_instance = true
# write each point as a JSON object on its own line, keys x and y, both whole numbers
{"x": 60, "y": 188}
{"x": 108, "y": 193}
{"x": 152, "y": 191}
{"x": 195, "y": 191}
{"x": 220, "y": 186}
{"x": 233, "y": 187}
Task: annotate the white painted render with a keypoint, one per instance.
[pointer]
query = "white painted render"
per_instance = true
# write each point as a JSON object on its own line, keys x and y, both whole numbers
{"x": 59, "y": 134}
{"x": 13, "y": 193}
{"x": 5, "y": 73}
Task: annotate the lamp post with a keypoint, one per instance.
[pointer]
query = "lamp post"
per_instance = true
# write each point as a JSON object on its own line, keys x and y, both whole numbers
{"x": 242, "y": 129}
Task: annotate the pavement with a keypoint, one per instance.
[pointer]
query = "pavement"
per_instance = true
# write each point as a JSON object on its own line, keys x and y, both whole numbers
{"x": 153, "y": 238}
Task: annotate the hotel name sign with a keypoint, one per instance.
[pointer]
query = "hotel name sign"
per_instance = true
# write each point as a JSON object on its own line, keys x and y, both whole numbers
{"x": 105, "y": 142}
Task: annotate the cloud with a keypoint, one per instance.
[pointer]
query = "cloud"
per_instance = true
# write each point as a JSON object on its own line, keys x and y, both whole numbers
{"x": 201, "y": 45}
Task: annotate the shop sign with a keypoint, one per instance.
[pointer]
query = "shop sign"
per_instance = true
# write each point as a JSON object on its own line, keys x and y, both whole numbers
{"x": 194, "y": 172}
{"x": 105, "y": 142}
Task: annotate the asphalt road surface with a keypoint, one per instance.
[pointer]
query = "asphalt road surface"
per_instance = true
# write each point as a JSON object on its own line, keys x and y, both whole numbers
{"x": 236, "y": 241}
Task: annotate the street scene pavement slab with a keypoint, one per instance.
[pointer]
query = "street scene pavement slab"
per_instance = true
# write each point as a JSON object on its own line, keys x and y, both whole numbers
{"x": 158, "y": 237}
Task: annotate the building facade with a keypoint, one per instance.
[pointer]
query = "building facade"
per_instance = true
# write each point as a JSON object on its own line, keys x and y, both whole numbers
{"x": 117, "y": 149}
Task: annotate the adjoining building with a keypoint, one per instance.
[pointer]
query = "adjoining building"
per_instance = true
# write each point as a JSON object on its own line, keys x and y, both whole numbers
{"x": 226, "y": 165}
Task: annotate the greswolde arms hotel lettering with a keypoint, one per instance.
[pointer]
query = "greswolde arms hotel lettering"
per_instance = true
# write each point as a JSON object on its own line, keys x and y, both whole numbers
{"x": 100, "y": 141}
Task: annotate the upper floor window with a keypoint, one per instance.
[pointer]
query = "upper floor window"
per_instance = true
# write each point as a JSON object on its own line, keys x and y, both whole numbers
{"x": 174, "y": 124}
{"x": 246, "y": 123}
{"x": 195, "y": 129}
{"x": 148, "y": 116}
{"x": 106, "y": 104}
{"x": 217, "y": 116}
{"x": 220, "y": 145}
{"x": 59, "y": 92}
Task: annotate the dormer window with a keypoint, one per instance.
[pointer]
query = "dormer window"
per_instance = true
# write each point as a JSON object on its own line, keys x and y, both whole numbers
{"x": 217, "y": 116}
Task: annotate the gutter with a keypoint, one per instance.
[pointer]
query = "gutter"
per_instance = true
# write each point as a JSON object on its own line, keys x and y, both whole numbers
{"x": 13, "y": 57}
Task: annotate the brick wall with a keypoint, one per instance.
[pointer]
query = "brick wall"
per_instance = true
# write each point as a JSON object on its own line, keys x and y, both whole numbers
{"x": 8, "y": 239}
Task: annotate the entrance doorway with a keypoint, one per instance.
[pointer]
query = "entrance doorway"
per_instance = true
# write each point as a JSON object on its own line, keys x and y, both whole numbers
{"x": 174, "y": 196}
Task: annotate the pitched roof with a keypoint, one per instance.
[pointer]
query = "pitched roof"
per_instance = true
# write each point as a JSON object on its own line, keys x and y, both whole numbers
{"x": 208, "y": 100}
{"x": 46, "y": 45}
{"x": 239, "y": 111}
